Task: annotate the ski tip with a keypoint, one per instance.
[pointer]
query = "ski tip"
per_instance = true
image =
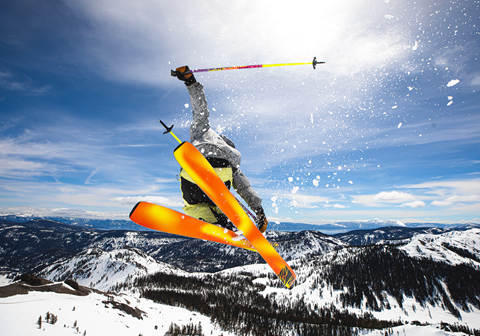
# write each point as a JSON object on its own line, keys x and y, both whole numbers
{"x": 287, "y": 276}
{"x": 180, "y": 145}
{"x": 133, "y": 210}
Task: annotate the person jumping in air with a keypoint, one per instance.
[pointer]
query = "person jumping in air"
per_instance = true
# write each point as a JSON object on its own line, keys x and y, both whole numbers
{"x": 221, "y": 153}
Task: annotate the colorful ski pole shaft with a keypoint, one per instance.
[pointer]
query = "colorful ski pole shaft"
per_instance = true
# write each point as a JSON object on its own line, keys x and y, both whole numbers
{"x": 314, "y": 63}
{"x": 246, "y": 210}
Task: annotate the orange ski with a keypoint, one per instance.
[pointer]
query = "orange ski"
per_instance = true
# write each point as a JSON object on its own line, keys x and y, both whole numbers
{"x": 163, "y": 219}
{"x": 200, "y": 170}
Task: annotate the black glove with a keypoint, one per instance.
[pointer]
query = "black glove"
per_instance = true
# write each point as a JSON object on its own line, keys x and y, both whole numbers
{"x": 261, "y": 221}
{"x": 184, "y": 74}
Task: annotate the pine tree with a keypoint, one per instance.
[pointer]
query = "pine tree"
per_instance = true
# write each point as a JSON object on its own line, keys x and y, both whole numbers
{"x": 39, "y": 322}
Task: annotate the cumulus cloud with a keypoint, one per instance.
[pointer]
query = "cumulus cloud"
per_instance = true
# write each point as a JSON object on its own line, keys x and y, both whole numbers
{"x": 414, "y": 204}
{"x": 393, "y": 197}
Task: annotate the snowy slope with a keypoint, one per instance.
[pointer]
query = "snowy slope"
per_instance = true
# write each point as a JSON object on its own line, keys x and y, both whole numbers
{"x": 104, "y": 270}
{"x": 295, "y": 245}
{"x": 454, "y": 247}
{"x": 313, "y": 288}
{"x": 93, "y": 315}
{"x": 413, "y": 330}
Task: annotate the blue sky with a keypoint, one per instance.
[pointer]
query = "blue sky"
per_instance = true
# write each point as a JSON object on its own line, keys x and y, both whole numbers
{"x": 388, "y": 128}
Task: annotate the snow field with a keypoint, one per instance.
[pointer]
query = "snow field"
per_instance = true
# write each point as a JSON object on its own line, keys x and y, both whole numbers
{"x": 325, "y": 296}
{"x": 19, "y": 315}
{"x": 412, "y": 330}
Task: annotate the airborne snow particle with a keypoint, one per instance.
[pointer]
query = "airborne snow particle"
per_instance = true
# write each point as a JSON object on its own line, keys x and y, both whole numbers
{"x": 453, "y": 82}
{"x": 350, "y": 182}
{"x": 315, "y": 183}
{"x": 290, "y": 179}
{"x": 399, "y": 125}
{"x": 388, "y": 16}
{"x": 186, "y": 105}
{"x": 295, "y": 189}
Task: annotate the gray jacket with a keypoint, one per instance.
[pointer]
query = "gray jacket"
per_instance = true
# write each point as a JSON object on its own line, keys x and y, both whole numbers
{"x": 211, "y": 144}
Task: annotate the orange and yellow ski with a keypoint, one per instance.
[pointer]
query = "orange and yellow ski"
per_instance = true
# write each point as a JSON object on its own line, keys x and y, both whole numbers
{"x": 163, "y": 219}
{"x": 200, "y": 170}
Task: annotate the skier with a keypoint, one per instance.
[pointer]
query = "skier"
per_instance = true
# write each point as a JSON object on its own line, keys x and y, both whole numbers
{"x": 220, "y": 151}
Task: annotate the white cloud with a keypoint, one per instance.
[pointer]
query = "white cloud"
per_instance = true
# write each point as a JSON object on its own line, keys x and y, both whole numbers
{"x": 441, "y": 203}
{"x": 464, "y": 198}
{"x": 335, "y": 206}
{"x": 458, "y": 199}
{"x": 64, "y": 212}
{"x": 449, "y": 187}
{"x": 93, "y": 173}
{"x": 383, "y": 198}
{"x": 220, "y": 34}
{"x": 132, "y": 200}
{"x": 414, "y": 204}
{"x": 393, "y": 197}
{"x": 304, "y": 201}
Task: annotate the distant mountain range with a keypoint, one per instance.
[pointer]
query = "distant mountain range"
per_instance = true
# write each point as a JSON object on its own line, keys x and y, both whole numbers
{"x": 375, "y": 278}
{"x": 334, "y": 227}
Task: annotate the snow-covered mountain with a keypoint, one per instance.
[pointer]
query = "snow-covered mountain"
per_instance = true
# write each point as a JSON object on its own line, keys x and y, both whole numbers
{"x": 433, "y": 276}
{"x": 58, "y": 309}
{"x": 119, "y": 224}
{"x": 384, "y": 235}
{"x": 106, "y": 270}
{"x": 30, "y": 246}
{"x": 454, "y": 247}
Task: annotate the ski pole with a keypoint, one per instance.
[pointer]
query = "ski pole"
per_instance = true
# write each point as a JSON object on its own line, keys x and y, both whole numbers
{"x": 238, "y": 67}
{"x": 246, "y": 209}
{"x": 169, "y": 130}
